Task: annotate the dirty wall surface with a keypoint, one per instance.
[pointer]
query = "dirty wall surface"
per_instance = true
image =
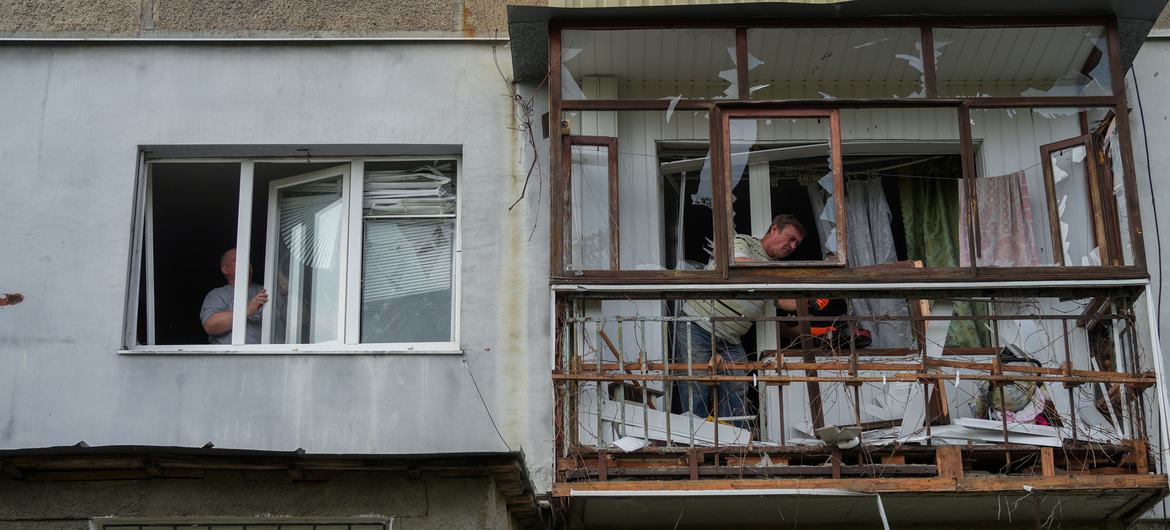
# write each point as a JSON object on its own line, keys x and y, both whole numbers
{"x": 69, "y": 144}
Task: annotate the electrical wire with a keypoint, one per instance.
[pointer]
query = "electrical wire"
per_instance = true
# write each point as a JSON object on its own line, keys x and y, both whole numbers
{"x": 485, "y": 405}
{"x": 1153, "y": 196}
{"x": 1154, "y": 207}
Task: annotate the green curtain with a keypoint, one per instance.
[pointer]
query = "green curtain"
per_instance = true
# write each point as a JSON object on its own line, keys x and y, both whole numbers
{"x": 930, "y": 214}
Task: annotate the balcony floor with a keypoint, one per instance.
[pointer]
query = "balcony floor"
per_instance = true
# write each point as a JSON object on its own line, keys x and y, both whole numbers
{"x": 1005, "y": 501}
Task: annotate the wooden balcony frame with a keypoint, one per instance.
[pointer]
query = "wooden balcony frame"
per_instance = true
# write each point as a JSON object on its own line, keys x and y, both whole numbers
{"x": 723, "y": 272}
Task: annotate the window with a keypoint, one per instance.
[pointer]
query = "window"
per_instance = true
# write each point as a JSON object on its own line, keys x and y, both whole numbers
{"x": 998, "y": 149}
{"x": 352, "y": 255}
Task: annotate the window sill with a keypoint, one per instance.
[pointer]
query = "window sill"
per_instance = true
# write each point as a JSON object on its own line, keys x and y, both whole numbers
{"x": 437, "y": 348}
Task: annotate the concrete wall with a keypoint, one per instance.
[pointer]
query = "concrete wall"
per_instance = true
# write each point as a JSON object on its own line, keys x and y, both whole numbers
{"x": 414, "y": 503}
{"x": 68, "y": 147}
{"x": 1147, "y": 83}
{"x": 147, "y": 18}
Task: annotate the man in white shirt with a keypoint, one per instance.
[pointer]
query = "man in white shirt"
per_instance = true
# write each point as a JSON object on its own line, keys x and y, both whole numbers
{"x": 692, "y": 340}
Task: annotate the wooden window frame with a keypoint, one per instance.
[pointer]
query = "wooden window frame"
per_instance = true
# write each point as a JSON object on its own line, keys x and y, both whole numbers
{"x": 715, "y": 108}
{"x": 1099, "y": 215}
{"x": 726, "y": 179}
{"x": 612, "y": 187}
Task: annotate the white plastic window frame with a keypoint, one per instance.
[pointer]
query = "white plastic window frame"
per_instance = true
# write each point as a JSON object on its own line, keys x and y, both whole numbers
{"x": 350, "y": 299}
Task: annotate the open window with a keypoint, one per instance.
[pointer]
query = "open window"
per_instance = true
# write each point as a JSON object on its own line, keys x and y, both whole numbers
{"x": 783, "y": 165}
{"x": 1071, "y": 182}
{"x": 353, "y": 255}
{"x": 1048, "y": 192}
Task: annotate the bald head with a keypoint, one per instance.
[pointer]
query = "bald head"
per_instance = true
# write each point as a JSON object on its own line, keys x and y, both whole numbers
{"x": 227, "y": 265}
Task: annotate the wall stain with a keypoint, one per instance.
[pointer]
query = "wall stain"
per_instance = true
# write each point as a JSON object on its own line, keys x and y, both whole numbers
{"x": 469, "y": 29}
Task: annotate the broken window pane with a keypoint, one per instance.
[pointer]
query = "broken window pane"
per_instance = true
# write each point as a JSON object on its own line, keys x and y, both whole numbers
{"x": 648, "y": 64}
{"x": 1115, "y": 179}
{"x": 903, "y": 187}
{"x": 783, "y": 167}
{"x": 408, "y": 217}
{"x": 655, "y": 202}
{"x": 1038, "y": 188}
{"x": 1027, "y": 62}
{"x": 827, "y": 63}
{"x": 1070, "y": 169}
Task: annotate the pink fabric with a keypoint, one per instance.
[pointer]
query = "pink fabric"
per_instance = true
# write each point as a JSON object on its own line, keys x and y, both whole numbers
{"x": 1005, "y": 223}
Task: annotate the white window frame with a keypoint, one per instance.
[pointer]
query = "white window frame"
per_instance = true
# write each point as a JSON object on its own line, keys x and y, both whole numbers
{"x": 351, "y": 257}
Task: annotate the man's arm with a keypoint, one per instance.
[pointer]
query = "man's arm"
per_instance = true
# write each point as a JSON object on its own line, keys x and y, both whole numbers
{"x": 218, "y": 323}
{"x": 221, "y": 322}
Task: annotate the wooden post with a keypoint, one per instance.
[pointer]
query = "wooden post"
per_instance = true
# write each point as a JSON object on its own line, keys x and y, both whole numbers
{"x": 1047, "y": 462}
{"x": 948, "y": 460}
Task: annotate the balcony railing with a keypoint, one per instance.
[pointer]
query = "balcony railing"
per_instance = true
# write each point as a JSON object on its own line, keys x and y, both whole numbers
{"x": 1036, "y": 387}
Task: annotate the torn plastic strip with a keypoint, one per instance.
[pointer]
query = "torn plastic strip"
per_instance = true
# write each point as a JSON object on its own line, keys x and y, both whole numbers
{"x": 744, "y": 134}
{"x": 870, "y": 43}
{"x": 569, "y": 87}
{"x": 670, "y": 108}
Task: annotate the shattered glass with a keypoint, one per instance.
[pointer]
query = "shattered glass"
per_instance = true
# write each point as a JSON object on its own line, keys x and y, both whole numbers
{"x": 829, "y": 63}
{"x": 1024, "y": 62}
{"x": 648, "y": 64}
{"x": 663, "y": 203}
{"x": 1036, "y": 209}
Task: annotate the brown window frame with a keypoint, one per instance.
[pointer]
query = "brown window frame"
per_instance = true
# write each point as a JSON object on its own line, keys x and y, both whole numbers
{"x": 834, "y": 117}
{"x": 726, "y": 274}
{"x": 612, "y": 186}
{"x": 1099, "y": 213}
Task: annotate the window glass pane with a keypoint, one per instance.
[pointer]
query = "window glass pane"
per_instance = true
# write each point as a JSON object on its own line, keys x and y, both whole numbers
{"x": 590, "y": 222}
{"x": 1027, "y": 62}
{"x": 308, "y": 243}
{"x": 664, "y": 196}
{"x": 827, "y": 63}
{"x": 648, "y": 64}
{"x": 782, "y": 167}
{"x": 903, "y": 187}
{"x": 408, "y": 247}
{"x": 1038, "y": 188}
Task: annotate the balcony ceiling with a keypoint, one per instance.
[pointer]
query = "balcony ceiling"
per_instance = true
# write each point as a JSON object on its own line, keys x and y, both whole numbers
{"x": 528, "y": 26}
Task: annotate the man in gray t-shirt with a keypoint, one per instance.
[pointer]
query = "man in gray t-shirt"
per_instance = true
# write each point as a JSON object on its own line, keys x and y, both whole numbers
{"x": 216, "y": 313}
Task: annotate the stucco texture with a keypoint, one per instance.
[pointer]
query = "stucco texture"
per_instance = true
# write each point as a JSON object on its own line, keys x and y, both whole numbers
{"x": 96, "y": 16}
{"x": 484, "y": 18}
{"x": 302, "y": 15}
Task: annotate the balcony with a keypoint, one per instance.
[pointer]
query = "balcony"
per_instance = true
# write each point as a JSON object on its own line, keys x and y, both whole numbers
{"x": 963, "y": 400}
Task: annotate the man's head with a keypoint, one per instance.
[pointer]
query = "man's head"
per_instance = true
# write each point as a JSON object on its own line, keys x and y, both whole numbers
{"x": 783, "y": 236}
{"x": 227, "y": 265}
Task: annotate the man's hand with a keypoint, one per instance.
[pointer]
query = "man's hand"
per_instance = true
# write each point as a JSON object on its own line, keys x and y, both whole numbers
{"x": 257, "y": 302}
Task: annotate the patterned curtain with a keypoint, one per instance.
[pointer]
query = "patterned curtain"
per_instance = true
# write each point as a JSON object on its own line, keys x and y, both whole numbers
{"x": 930, "y": 214}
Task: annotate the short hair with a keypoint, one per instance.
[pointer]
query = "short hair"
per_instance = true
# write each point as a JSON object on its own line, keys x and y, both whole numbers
{"x": 784, "y": 219}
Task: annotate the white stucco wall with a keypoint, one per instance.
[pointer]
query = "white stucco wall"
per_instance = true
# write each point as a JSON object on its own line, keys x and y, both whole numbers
{"x": 1147, "y": 84}
{"x": 73, "y": 117}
